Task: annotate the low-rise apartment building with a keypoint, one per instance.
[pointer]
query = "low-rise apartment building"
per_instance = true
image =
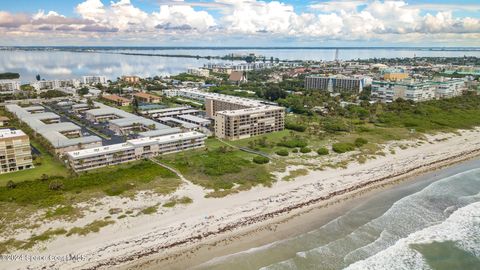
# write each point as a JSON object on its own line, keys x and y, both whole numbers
{"x": 117, "y": 100}
{"x": 9, "y": 87}
{"x": 62, "y": 136}
{"x": 15, "y": 152}
{"x": 136, "y": 149}
{"x": 147, "y": 98}
{"x": 245, "y": 123}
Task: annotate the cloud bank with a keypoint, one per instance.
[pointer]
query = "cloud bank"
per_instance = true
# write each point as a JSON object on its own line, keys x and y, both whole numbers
{"x": 182, "y": 21}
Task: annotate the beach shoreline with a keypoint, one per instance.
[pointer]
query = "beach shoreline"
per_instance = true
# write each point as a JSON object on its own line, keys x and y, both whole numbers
{"x": 181, "y": 238}
{"x": 258, "y": 234}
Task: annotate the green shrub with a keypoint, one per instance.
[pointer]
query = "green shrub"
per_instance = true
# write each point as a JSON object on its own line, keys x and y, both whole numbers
{"x": 55, "y": 185}
{"x": 292, "y": 143}
{"x": 296, "y": 127}
{"x": 11, "y": 184}
{"x": 282, "y": 152}
{"x": 343, "y": 147}
{"x": 305, "y": 150}
{"x": 261, "y": 160}
{"x": 333, "y": 125}
{"x": 295, "y": 150}
{"x": 359, "y": 142}
{"x": 322, "y": 151}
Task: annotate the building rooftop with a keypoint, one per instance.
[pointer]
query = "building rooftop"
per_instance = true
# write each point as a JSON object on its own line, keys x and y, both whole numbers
{"x": 193, "y": 118}
{"x": 116, "y": 98}
{"x": 11, "y": 133}
{"x": 126, "y": 119}
{"x": 51, "y": 132}
{"x": 146, "y": 95}
{"x": 251, "y": 111}
{"x": 178, "y": 121}
{"x": 159, "y": 132}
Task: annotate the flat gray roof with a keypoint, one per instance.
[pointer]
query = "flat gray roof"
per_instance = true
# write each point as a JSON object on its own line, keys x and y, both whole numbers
{"x": 193, "y": 118}
{"x": 160, "y": 132}
{"x": 51, "y": 132}
{"x": 178, "y": 121}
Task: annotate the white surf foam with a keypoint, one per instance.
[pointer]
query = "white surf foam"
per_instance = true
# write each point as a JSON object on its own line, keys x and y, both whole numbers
{"x": 462, "y": 227}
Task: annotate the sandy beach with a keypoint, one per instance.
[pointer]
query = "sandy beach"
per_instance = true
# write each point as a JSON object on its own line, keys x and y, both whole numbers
{"x": 181, "y": 237}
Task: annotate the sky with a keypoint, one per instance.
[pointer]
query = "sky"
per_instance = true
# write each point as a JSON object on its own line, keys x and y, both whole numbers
{"x": 240, "y": 23}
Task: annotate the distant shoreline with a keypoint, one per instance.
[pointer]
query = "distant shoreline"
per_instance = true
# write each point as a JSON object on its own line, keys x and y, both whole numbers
{"x": 244, "y": 48}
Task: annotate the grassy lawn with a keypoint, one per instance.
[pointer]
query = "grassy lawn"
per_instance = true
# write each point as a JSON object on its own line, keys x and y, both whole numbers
{"x": 217, "y": 167}
{"x": 44, "y": 164}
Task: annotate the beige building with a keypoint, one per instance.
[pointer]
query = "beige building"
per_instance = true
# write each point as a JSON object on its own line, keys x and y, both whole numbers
{"x": 227, "y": 103}
{"x": 245, "y": 123}
{"x": 147, "y": 98}
{"x": 131, "y": 79}
{"x": 15, "y": 152}
{"x": 117, "y": 100}
{"x": 395, "y": 76}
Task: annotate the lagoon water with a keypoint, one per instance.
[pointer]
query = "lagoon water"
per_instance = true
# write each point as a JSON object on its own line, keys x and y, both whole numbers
{"x": 430, "y": 223}
{"x": 57, "y": 64}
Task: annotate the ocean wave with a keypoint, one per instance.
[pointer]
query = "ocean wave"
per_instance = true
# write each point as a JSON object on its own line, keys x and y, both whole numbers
{"x": 427, "y": 207}
{"x": 461, "y": 227}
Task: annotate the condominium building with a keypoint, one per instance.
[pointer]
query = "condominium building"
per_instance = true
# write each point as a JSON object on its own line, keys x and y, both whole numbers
{"x": 54, "y": 84}
{"x": 388, "y": 91}
{"x": 336, "y": 84}
{"x": 15, "y": 152}
{"x": 447, "y": 88}
{"x": 255, "y": 117}
{"x": 94, "y": 79}
{"x": 245, "y": 123}
{"x": 199, "y": 72}
{"x": 136, "y": 149}
{"x": 218, "y": 103}
{"x": 9, "y": 87}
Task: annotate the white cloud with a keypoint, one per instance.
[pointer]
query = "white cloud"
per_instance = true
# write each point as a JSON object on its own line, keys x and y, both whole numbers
{"x": 326, "y": 20}
{"x": 182, "y": 17}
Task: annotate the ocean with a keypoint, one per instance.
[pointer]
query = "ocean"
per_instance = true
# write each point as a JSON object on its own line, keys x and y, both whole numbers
{"x": 57, "y": 64}
{"x": 432, "y": 222}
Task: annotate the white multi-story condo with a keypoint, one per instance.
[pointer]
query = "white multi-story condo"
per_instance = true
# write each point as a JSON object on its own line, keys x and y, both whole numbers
{"x": 449, "y": 88}
{"x": 9, "y": 87}
{"x": 94, "y": 79}
{"x": 54, "y": 84}
{"x": 15, "y": 152}
{"x": 388, "y": 91}
{"x": 199, "y": 72}
{"x": 336, "y": 84}
{"x": 136, "y": 149}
